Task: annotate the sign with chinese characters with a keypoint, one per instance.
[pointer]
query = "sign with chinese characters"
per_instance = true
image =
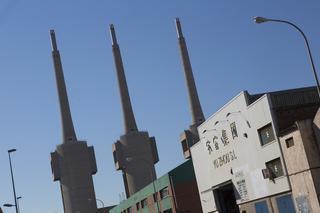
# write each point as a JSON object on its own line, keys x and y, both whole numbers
{"x": 241, "y": 186}
{"x": 215, "y": 144}
{"x": 219, "y": 146}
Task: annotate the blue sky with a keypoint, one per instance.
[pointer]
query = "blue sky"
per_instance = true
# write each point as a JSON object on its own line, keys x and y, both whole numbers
{"x": 229, "y": 54}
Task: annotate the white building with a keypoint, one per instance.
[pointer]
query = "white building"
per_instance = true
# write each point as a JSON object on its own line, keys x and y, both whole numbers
{"x": 239, "y": 162}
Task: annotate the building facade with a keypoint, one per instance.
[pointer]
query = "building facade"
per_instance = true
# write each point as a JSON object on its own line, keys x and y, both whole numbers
{"x": 302, "y": 156}
{"x": 175, "y": 191}
{"x": 239, "y": 162}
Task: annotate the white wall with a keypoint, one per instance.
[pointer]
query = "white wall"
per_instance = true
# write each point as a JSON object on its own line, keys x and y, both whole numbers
{"x": 247, "y": 157}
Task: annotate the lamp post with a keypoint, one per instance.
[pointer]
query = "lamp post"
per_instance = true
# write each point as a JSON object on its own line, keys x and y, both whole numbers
{"x": 260, "y": 20}
{"x": 14, "y": 189}
{"x": 18, "y": 198}
{"x": 12, "y": 205}
{"x": 130, "y": 159}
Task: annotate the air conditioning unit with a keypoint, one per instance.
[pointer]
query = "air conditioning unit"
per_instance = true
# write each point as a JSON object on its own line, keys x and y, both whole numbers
{"x": 267, "y": 174}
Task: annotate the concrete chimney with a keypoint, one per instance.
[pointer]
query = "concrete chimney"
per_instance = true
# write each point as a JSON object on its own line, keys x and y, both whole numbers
{"x": 191, "y": 136}
{"x": 73, "y": 163}
{"x": 68, "y": 132}
{"x": 135, "y": 153}
{"x": 128, "y": 116}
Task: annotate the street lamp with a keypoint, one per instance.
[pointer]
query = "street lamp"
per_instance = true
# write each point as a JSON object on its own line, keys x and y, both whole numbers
{"x": 260, "y": 20}
{"x": 14, "y": 189}
{"x": 8, "y": 205}
{"x": 130, "y": 159}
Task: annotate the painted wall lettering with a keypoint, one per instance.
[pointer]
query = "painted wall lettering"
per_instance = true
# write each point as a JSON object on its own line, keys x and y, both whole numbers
{"x": 224, "y": 159}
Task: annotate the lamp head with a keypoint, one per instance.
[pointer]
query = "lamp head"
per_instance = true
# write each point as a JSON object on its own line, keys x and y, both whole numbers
{"x": 12, "y": 150}
{"x": 8, "y": 205}
{"x": 260, "y": 20}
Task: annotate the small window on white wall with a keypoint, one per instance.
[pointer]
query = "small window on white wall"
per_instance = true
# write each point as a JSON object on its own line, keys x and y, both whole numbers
{"x": 266, "y": 134}
{"x": 275, "y": 167}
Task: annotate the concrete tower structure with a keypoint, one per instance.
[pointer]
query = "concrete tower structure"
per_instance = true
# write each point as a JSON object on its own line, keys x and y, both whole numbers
{"x": 190, "y": 136}
{"x": 135, "y": 153}
{"x": 73, "y": 163}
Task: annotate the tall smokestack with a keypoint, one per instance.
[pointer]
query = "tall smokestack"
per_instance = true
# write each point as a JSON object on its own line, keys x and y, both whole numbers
{"x": 196, "y": 110}
{"x": 135, "y": 153}
{"x": 69, "y": 134}
{"x": 73, "y": 162}
{"x": 128, "y": 116}
{"x": 191, "y": 137}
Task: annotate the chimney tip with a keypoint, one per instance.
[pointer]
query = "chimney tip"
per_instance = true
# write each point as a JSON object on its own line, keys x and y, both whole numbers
{"x": 178, "y": 26}
{"x": 53, "y": 40}
{"x": 113, "y": 34}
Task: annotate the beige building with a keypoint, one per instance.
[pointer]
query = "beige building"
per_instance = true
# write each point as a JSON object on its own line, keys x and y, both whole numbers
{"x": 259, "y": 153}
{"x": 302, "y": 156}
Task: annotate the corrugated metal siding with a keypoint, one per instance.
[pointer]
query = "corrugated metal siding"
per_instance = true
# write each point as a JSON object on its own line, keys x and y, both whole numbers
{"x": 294, "y": 98}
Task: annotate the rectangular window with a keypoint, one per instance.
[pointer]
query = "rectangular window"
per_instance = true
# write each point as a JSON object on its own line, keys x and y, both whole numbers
{"x": 234, "y": 131}
{"x": 137, "y": 206}
{"x": 266, "y": 134}
{"x": 164, "y": 192}
{"x": 155, "y": 197}
{"x": 275, "y": 168}
{"x": 115, "y": 159}
{"x": 184, "y": 145}
{"x": 144, "y": 203}
{"x": 289, "y": 142}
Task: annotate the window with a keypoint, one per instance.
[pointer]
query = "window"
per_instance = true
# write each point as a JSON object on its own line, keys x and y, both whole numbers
{"x": 155, "y": 197}
{"x": 184, "y": 145}
{"x": 137, "y": 206}
{"x": 233, "y": 128}
{"x": 115, "y": 159}
{"x": 289, "y": 142}
{"x": 129, "y": 210}
{"x": 275, "y": 168}
{"x": 144, "y": 203}
{"x": 266, "y": 134}
{"x": 164, "y": 192}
